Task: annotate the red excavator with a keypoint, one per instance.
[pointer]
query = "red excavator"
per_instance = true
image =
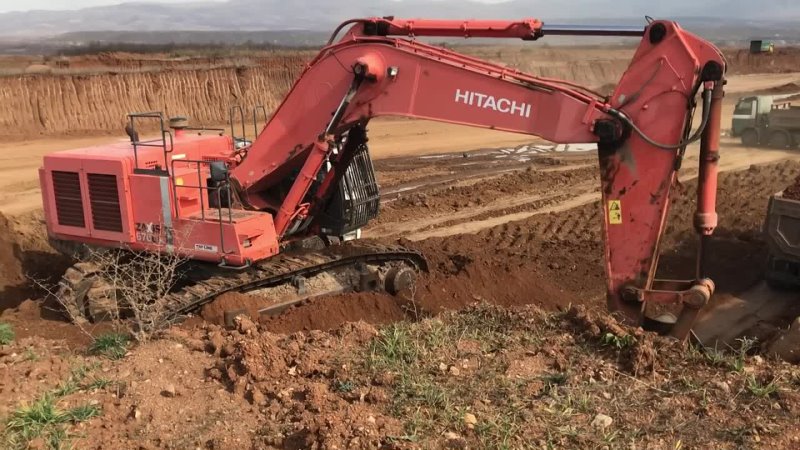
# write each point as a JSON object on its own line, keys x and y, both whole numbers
{"x": 264, "y": 215}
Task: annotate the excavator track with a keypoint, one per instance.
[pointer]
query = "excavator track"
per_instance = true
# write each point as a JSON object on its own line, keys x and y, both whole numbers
{"x": 85, "y": 295}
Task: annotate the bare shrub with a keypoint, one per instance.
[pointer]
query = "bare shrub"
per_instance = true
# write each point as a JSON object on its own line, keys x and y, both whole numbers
{"x": 129, "y": 289}
{"x": 135, "y": 288}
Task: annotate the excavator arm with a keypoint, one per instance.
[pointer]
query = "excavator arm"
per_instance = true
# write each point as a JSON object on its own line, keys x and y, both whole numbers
{"x": 641, "y": 130}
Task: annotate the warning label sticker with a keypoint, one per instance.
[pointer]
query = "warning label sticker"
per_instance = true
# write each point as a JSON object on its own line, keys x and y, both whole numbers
{"x": 615, "y": 212}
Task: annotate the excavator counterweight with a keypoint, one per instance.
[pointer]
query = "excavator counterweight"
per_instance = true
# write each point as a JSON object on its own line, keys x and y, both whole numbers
{"x": 308, "y": 174}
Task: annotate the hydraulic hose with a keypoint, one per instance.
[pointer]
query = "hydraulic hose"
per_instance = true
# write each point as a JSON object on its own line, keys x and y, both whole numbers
{"x": 694, "y": 138}
{"x": 341, "y": 27}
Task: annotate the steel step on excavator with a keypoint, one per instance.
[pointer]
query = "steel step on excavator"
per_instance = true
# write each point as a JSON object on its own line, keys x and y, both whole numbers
{"x": 271, "y": 214}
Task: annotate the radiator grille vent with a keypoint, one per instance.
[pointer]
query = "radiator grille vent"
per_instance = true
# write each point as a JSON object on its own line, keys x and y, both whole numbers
{"x": 69, "y": 206}
{"x": 104, "y": 197}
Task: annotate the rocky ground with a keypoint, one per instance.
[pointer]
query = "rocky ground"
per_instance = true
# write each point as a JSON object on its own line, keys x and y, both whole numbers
{"x": 483, "y": 377}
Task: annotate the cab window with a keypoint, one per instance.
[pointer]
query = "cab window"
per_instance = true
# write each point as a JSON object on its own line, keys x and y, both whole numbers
{"x": 744, "y": 107}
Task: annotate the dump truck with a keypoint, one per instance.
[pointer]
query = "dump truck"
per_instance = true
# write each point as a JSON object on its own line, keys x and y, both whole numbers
{"x": 761, "y": 46}
{"x": 782, "y": 233}
{"x": 766, "y": 120}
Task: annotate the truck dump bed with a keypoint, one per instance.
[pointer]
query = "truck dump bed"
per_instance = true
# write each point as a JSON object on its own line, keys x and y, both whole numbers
{"x": 785, "y": 117}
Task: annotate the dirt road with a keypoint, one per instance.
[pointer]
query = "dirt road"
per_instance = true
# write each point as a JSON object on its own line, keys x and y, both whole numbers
{"x": 20, "y": 161}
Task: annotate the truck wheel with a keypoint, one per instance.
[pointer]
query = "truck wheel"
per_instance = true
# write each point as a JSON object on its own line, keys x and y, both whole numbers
{"x": 750, "y": 138}
{"x": 779, "y": 139}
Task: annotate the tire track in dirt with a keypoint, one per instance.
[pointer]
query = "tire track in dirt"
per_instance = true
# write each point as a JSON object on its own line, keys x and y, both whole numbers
{"x": 479, "y": 225}
{"x": 471, "y": 198}
{"x": 734, "y": 159}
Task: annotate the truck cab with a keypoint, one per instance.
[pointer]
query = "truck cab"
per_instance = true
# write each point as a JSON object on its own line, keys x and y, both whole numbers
{"x": 766, "y": 120}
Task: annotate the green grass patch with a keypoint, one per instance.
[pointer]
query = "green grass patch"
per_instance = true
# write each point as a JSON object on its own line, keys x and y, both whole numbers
{"x": 74, "y": 382}
{"x": 508, "y": 379}
{"x": 98, "y": 383}
{"x": 431, "y": 400}
{"x": 110, "y": 345}
{"x": 761, "y": 389}
{"x": 745, "y": 345}
{"x": 618, "y": 342}
{"x": 6, "y": 334}
{"x": 44, "y": 418}
{"x": 30, "y": 355}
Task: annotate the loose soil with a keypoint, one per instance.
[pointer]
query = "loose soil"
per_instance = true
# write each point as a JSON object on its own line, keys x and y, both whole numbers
{"x": 484, "y": 377}
{"x": 10, "y": 267}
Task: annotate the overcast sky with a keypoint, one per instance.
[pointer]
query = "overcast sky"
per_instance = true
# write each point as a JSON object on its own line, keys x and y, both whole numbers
{"x": 10, "y": 5}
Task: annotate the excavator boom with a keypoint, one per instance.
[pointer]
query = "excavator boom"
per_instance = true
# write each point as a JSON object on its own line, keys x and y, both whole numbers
{"x": 641, "y": 130}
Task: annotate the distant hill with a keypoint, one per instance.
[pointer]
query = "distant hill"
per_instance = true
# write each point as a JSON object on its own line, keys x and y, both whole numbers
{"x": 240, "y": 15}
{"x": 280, "y": 38}
{"x": 716, "y": 19}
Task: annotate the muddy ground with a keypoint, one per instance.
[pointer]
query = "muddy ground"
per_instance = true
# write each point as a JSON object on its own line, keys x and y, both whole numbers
{"x": 486, "y": 352}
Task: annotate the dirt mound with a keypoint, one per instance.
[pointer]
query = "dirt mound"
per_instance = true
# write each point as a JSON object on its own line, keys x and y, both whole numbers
{"x": 483, "y": 377}
{"x": 637, "y": 348}
{"x": 10, "y": 266}
{"x": 328, "y": 314}
{"x": 783, "y": 60}
{"x": 463, "y": 272}
{"x": 299, "y": 379}
{"x": 156, "y": 397}
{"x": 214, "y": 312}
{"x": 486, "y": 377}
{"x": 556, "y": 260}
{"x": 793, "y": 192}
{"x": 26, "y": 255}
{"x": 787, "y": 88}
{"x": 314, "y": 314}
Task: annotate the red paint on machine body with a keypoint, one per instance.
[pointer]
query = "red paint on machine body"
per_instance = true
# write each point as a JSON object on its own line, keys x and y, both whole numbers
{"x": 116, "y": 196}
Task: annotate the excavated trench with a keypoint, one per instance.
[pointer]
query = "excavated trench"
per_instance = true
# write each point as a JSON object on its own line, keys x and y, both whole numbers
{"x": 555, "y": 259}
